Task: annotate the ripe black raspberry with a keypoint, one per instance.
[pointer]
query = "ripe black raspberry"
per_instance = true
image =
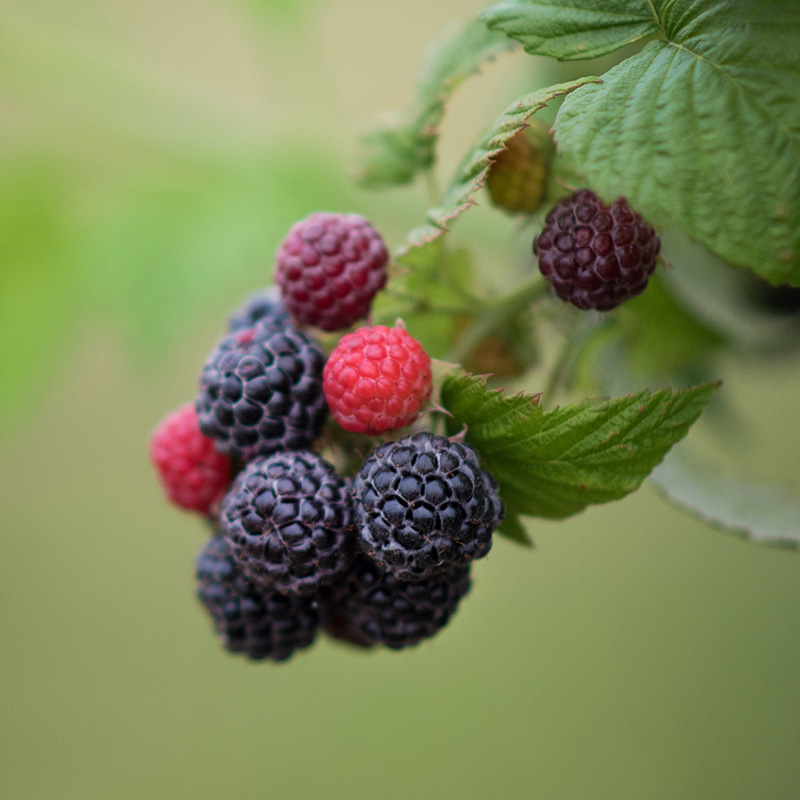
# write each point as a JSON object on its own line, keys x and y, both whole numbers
{"x": 371, "y": 606}
{"x": 329, "y": 268}
{"x": 263, "y": 306}
{"x": 596, "y": 256}
{"x": 249, "y": 619}
{"x": 289, "y": 521}
{"x": 422, "y": 505}
{"x": 261, "y": 391}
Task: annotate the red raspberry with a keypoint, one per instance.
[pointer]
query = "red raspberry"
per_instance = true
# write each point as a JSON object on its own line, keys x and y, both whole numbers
{"x": 377, "y": 379}
{"x": 329, "y": 268}
{"x": 194, "y": 475}
{"x": 596, "y": 256}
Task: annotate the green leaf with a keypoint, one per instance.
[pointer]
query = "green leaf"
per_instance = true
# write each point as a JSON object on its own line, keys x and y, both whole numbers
{"x": 754, "y": 512}
{"x": 512, "y": 528}
{"x": 470, "y": 176}
{"x": 396, "y": 152}
{"x": 704, "y": 129}
{"x": 555, "y": 463}
{"x": 571, "y": 29}
{"x": 431, "y": 295}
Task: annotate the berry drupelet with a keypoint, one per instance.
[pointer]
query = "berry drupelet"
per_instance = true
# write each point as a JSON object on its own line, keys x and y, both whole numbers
{"x": 265, "y": 307}
{"x": 248, "y": 618}
{"x": 377, "y": 379}
{"x": 517, "y": 176}
{"x": 371, "y": 606}
{"x": 194, "y": 475}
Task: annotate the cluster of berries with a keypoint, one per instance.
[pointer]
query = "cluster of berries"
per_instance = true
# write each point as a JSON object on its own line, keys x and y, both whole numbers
{"x": 380, "y": 558}
{"x": 383, "y": 557}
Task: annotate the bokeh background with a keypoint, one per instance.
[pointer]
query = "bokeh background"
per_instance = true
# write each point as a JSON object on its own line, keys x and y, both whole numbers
{"x": 152, "y": 155}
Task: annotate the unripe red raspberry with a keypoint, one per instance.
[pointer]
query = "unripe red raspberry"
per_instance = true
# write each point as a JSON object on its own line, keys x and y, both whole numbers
{"x": 596, "y": 256}
{"x": 194, "y": 475}
{"x": 377, "y": 379}
{"x": 329, "y": 268}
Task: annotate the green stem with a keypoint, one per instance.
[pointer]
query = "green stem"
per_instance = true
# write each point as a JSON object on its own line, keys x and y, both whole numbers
{"x": 561, "y": 366}
{"x": 421, "y": 305}
{"x": 496, "y": 316}
{"x": 581, "y": 327}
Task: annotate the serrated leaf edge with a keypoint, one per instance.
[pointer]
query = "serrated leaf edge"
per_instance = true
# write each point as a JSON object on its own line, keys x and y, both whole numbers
{"x": 470, "y": 177}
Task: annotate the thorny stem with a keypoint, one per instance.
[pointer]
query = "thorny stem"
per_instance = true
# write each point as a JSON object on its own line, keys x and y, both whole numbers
{"x": 434, "y": 199}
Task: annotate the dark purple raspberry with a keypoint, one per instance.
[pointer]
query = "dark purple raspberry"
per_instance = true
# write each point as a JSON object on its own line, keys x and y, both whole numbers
{"x": 249, "y": 619}
{"x": 596, "y": 256}
{"x": 261, "y": 392}
{"x": 371, "y": 606}
{"x": 329, "y": 268}
{"x": 261, "y": 306}
{"x": 289, "y": 521}
{"x": 423, "y": 505}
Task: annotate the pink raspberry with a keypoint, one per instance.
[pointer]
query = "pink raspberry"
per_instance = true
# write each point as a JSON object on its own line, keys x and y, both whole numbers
{"x": 194, "y": 475}
{"x": 377, "y": 379}
{"x": 329, "y": 268}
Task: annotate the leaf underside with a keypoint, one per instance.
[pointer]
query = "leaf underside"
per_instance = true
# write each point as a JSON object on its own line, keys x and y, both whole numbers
{"x": 569, "y": 30}
{"x": 753, "y": 512}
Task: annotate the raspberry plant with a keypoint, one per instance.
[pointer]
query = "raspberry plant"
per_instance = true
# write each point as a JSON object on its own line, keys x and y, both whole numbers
{"x": 696, "y": 136}
{"x": 698, "y": 132}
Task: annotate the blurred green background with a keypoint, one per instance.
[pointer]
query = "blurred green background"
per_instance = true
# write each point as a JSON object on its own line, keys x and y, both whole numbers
{"x": 152, "y": 156}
